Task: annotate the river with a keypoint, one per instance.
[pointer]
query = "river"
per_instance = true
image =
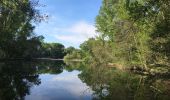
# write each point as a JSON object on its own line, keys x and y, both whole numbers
{"x": 56, "y": 80}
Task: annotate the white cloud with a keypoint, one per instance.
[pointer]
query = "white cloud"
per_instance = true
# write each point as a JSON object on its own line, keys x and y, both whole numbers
{"x": 76, "y": 33}
{"x": 69, "y": 34}
{"x": 71, "y": 38}
{"x": 83, "y": 28}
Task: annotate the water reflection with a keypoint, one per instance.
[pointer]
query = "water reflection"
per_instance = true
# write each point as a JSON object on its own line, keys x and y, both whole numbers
{"x": 16, "y": 79}
{"x": 51, "y": 67}
{"x": 108, "y": 84}
{"x": 51, "y": 80}
{"x": 41, "y": 80}
{"x": 66, "y": 86}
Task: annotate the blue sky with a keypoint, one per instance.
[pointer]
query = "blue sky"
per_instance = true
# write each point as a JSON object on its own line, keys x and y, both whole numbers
{"x": 70, "y": 21}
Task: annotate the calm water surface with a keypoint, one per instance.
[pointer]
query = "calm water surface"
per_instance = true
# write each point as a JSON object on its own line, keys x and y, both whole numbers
{"x": 65, "y": 85}
{"x": 55, "y": 80}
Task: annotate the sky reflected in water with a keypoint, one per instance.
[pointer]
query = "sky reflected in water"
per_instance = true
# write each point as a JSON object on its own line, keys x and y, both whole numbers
{"x": 63, "y": 86}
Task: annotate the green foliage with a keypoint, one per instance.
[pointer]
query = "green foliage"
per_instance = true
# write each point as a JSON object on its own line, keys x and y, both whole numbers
{"x": 69, "y": 50}
{"x": 17, "y": 39}
{"x": 52, "y": 50}
{"x": 153, "y": 21}
{"x": 97, "y": 50}
{"x": 74, "y": 55}
{"x": 132, "y": 33}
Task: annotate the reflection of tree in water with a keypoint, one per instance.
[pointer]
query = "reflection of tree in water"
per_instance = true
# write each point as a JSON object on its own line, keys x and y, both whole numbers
{"x": 16, "y": 79}
{"x": 74, "y": 65}
{"x": 52, "y": 67}
{"x": 108, "y": 83}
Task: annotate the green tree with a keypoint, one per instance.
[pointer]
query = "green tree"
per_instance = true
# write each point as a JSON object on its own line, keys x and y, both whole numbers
{"x": 17, "y": 39}
{"x": 52, "y": 50}
{"x": 69, "y": 50}
{"x": 133, "y": 33}
{"x": 153, "y": 16}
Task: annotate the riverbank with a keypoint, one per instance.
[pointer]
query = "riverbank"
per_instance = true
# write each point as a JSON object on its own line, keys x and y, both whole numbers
{"x": 47, "y": 59}
{"x": 151, "y": 71}
{"x": 29, "y": 59}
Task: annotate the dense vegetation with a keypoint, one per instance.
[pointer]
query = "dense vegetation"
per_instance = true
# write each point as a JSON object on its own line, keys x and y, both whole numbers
{"x": 132, "y": 33}
{"x": 73, "y": 54}
{"x": 16, "y": 31}
{"x": 17, "y": 37}
{"x": 52, "y": 50}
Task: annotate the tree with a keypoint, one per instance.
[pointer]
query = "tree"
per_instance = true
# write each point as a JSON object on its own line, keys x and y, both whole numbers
{"x": 134, "y": 32}
{"x": 52, "y": 50}
{"x": 69, "y": 50}
{"x": 153, "y": 16}
{"x": 17, "y": 39}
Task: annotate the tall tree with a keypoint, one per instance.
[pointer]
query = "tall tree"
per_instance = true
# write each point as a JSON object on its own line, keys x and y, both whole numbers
{"x": 154, "y": 17}
{"x": 138, "y": 31}
{"x": 17, "y": 38}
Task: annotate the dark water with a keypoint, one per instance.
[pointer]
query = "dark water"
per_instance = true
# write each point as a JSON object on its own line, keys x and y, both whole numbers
{"x": 55, "y": 80}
